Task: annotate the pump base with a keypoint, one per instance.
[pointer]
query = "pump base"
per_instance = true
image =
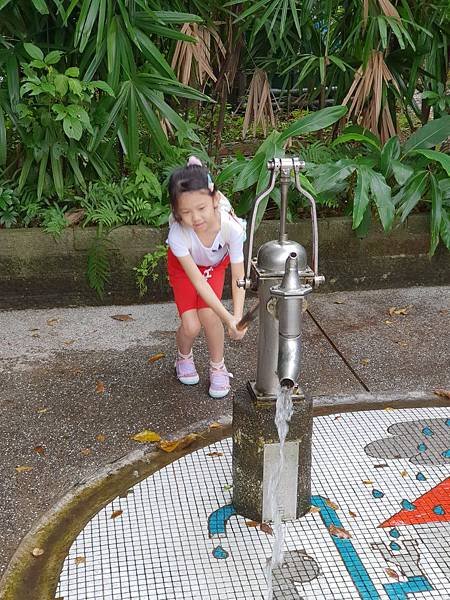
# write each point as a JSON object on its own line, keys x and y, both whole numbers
{"x": 255, "y": 448}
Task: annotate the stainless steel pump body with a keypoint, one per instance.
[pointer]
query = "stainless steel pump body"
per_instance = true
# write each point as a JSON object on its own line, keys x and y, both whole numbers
{"x": 283, "y": 280}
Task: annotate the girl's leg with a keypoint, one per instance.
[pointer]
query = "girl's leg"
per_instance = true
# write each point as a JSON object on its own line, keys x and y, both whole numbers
{"x": 188, "y": 331}
{"x": 214, "y": 333}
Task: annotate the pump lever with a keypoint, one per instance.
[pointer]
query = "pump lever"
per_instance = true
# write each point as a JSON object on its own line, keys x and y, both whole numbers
{"x": 249, "y": 316}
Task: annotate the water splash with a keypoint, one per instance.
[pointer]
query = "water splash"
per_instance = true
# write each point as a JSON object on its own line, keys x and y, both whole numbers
{"x": 283, "y": 414}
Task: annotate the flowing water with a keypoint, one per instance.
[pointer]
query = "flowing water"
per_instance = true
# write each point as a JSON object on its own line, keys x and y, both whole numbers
{"x": 283, "y": 416}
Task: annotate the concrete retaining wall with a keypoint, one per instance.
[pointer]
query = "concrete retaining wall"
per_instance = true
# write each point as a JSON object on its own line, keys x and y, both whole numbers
{"x": 37, "y": 270}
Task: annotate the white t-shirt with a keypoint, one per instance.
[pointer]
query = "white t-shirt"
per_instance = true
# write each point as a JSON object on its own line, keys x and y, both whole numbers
{"x": 202, "y": 255}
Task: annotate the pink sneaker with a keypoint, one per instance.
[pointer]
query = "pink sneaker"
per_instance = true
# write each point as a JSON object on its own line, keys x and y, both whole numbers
{"x": 219, "y": 382}
{"x": 186, "y": 371}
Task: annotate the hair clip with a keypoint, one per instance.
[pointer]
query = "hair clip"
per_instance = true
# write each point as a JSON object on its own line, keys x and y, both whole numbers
{"x": 193, "y": 160}
{"x": 210, "y": 183}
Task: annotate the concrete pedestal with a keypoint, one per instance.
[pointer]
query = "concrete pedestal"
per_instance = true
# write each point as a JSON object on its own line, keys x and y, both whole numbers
{"x": 255, "y": 449}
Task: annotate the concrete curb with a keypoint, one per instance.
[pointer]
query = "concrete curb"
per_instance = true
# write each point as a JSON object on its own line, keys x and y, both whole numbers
{"x": 38, "y": 271}
{"x": 36, "y": 578}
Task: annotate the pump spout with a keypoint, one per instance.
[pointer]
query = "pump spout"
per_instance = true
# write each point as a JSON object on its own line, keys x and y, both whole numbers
{"x": 290, "y": 296}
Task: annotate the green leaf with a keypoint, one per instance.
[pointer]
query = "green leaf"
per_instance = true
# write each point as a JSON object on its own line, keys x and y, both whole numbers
{"x": 53, "y": 57}
{"x": 314, "y": 122}
{"x": 361, "y": 198}
{"x": 72, "y": 72}
{"x": 381, "y": 193}
{"x": 102, "y": 85}
{"x": 61, "y": 84}
{"x": 72, "y": 127}
{"x": 412, "y": 193}
{"x": 230, "y": 171}
{"x": 445, "y": 228}
{"x": 25, "y": 171}
{"x": 436, "y": 156}
{"x": 153, "y": 55}
{"x": 75, "y": 87}
{"x": 429, "y": 135}
{"x": 250, "y": 173}
{"x": 42, "y": 173}
{"x": 401, "y": 171}
{"x": 390, "y": 152}
{"x": 58, "y": 178}
{"x": 328, "y": 175}
{"x": 2, "y": 138}
{"x": 356, "y": 137}
{"x": 436, "y": 214}
{"x": 33, "y": 51}
{"x": 41, "y": 6}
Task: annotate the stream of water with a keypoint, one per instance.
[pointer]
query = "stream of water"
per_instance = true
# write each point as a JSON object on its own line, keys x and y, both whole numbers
{"x": 283, "y": 416}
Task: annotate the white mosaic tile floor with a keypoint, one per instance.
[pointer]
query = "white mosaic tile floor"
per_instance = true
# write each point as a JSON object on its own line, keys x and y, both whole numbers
{"x": 159, "y": 547}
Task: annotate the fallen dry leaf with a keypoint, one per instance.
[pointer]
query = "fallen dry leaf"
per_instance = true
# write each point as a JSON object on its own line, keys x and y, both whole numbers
{"x": 339, "y": 532}
{"x": 74, "y": 216}
{"x": 52, "y": 322}
{"x": 85, "y": 451}
{"x": 116, "y": 514}
{"x": 402, "y": 343}
{"x": 227, "y": 487}
{"x": 399, "y": 311}
{"x": 393, "y": 574}
{"x": 337, "y": 417}
{"x": 380, "y": 466}
{"x": 444, "y": 311}
{"x": 252, "y": 523}
{"x": 215, "y": 454}
{"x": 442, "y": 393}
{"x": 367, "y": 482}
{"x": 40, "y": 450}
{"x": 388, "y": 322}
{"x": 146, "y": 436}
{"x": 99, "y": 387}
{"x": 80, "y": 560}
{"x": 41, "y": 411}
{"x": 156, "y": 357}
{"x": 389, "y": 409}
{"x": 37, "y": 552}
{"x": 100, "y": 437}
{"x": 35, "y": 335}
{"x": 332, "y": 504}
{"x": 352, "y": 514}
{"x": 215, "y": 425}
{"x": 314, "y": 509}
{"x": 23, "y": 468}
{"x": 68, "y": 342}
{"x": 364, "y": 361}
{"x": 404, "y": 474}
{"x": 266, "y": 528}
{"x": 122, "y": 317}
{"x": 172, "y": 445}
{"x": 339, "y": 302}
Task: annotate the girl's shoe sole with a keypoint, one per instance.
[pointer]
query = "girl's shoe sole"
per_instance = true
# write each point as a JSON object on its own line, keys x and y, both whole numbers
{"x": 189, "y": 380}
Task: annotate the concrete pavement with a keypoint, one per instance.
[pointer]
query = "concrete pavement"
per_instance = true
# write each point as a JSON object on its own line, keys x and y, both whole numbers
{"x": 76, "y": 383}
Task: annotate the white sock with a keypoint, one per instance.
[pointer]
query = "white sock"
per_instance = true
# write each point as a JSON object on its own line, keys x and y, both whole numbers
{"x": 217, "y": 365}
{"x": 185, "y": 355}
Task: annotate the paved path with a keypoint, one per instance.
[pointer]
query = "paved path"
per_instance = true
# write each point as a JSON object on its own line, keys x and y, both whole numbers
{"x": 76, "y": 384}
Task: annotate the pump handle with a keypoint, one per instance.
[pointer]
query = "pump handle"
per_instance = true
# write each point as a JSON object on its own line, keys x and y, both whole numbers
{"x": 249, "y": 316}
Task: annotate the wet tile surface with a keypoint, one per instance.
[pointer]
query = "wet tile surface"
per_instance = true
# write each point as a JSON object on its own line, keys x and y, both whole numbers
{"x": 383, "y": 477}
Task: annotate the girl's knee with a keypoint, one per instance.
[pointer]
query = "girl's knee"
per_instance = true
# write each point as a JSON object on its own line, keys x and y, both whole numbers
{"x": 208, "y": 318}
{"x": 190, "y": 323}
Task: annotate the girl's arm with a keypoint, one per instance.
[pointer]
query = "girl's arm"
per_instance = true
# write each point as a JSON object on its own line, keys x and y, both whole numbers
{"x": 238, "y": 294}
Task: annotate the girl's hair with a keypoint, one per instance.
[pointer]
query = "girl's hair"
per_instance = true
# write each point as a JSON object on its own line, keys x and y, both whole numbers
{"x": 192, "y": 178}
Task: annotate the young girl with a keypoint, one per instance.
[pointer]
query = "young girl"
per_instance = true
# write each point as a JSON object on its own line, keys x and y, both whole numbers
{"x": 203, "y": 240}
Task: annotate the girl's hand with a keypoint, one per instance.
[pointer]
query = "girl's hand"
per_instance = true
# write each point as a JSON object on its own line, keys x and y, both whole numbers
{"x": 233, "y": 331}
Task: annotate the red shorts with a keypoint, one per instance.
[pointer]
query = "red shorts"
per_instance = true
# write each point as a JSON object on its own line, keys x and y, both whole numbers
{"x": 186, "y": 296}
